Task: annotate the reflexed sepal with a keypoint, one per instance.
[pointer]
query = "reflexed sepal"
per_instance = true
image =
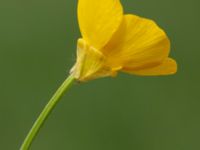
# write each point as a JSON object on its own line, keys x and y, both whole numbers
{"x": 90, "y": 63}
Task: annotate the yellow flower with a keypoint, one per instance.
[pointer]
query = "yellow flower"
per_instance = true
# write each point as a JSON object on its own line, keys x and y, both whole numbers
{"x": 113, "y": 42}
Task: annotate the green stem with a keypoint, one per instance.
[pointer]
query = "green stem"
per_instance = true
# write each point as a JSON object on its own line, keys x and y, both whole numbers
{"x": 46, "y": 111}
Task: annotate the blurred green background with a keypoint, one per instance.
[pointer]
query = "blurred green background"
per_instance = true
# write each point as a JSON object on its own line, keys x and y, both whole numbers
{"x": 37, "y": 49}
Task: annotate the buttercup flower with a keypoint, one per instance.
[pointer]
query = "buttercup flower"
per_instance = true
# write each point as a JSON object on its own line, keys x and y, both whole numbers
{"x": 113, "y": 42}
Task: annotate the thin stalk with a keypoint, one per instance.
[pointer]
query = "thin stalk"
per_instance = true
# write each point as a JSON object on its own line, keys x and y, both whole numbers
{"x": 46, "y": 112}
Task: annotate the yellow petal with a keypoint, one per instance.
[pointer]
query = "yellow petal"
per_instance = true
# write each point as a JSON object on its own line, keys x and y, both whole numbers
{"x": 98, "y": 20}
{"x": 169, "y": 66}
{"x": 138, "y": 42}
